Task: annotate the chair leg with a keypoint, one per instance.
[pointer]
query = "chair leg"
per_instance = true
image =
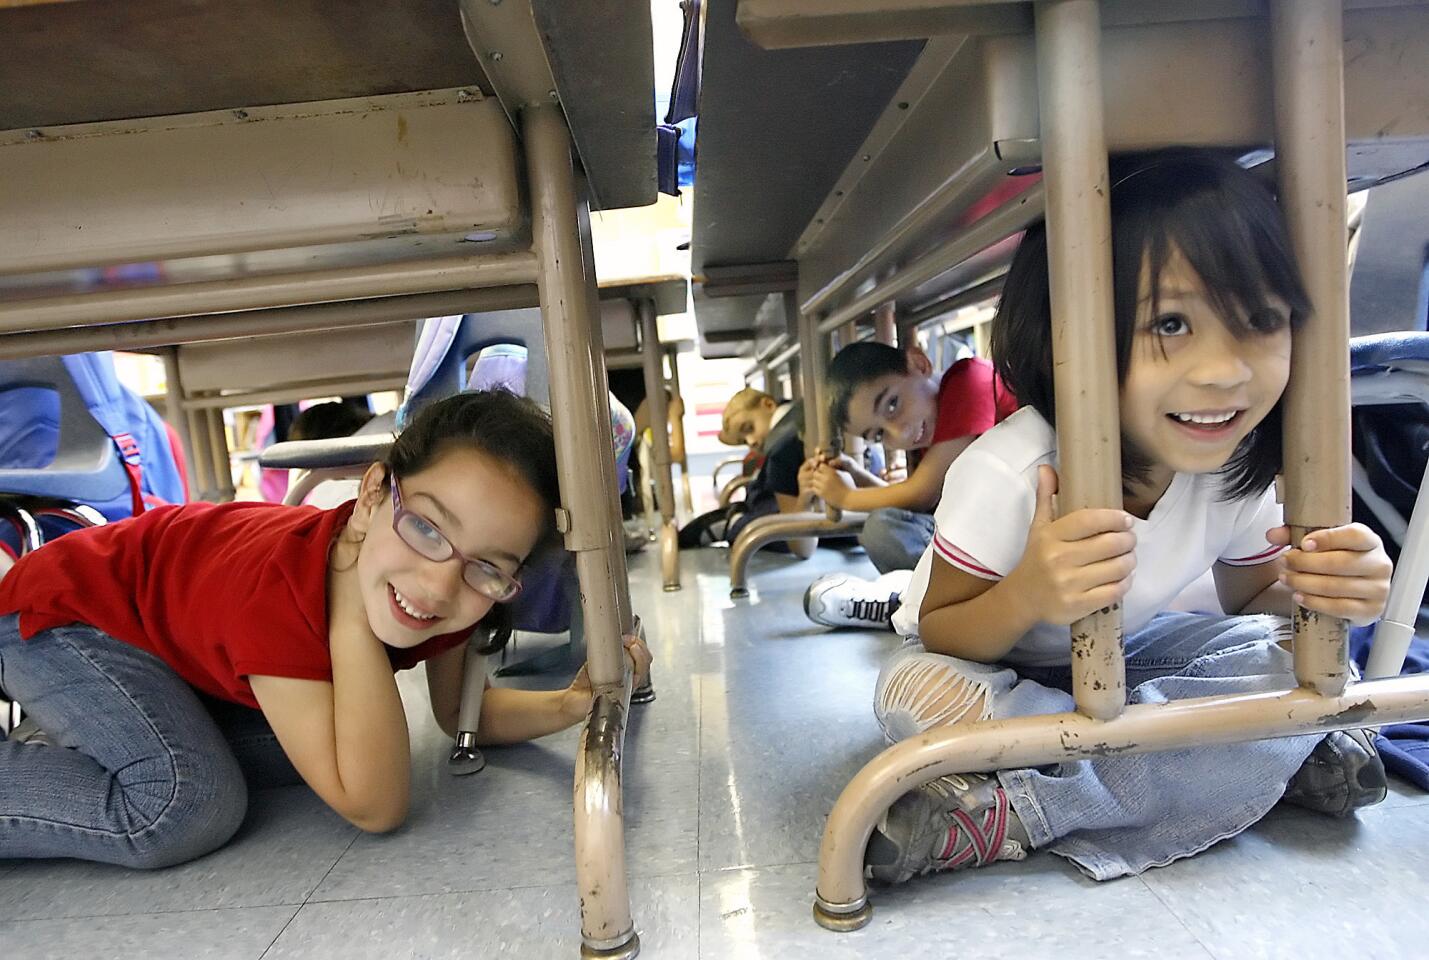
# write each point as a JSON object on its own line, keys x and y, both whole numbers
{"x": 662, "y": 466}
{"x": 582, "y": 443}
{"x": 685, "y": 486}
{"x": 782, "y": 526}
{"x": 466, "y": 758}
{"x": 647, "y": 480}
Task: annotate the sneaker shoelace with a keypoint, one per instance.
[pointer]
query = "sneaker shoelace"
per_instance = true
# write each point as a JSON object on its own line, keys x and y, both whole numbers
{"x": 985, "y": 840}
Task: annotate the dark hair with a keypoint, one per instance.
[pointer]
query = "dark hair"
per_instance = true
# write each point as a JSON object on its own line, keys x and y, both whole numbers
{"x": 855, "y": 365}
{"x": 1227, "y": 225}
{"x": 512, "y": 430}
{"x": 324, "y": 421}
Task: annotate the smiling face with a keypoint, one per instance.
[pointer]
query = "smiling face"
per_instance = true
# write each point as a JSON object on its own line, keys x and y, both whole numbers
{"x": 898, "y": 410}
{"x": 1195, "y": 386}
{"x": 485, "y": 511}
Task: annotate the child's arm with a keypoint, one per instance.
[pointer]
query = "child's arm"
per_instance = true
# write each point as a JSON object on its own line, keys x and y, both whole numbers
{"x": 846, "y": 464}
{"x": 515, "y": 716}
{"x": 969, "y": 617}
{"x": 347, "y": 738}
{"x": 1343, "y": 572}
{"x": 1071, "y": 567}
{"x": 1253, "y": 589}
{"x": 919, "y": 492}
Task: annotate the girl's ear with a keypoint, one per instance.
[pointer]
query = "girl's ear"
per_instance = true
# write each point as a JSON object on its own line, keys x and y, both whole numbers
{"x": 918, "y": 361}
{"x": 369, "y": 497}
{"x": 768, "y": 402}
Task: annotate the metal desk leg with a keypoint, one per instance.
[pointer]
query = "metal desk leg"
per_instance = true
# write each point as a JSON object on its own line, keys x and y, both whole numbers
{"x": 583, "y": 445}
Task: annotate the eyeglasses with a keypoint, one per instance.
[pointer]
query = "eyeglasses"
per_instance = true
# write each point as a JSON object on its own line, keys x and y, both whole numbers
{"x": 417, "y": 532}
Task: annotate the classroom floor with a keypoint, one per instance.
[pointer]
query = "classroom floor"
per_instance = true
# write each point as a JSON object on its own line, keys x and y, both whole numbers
{"x": 761, "y": 720}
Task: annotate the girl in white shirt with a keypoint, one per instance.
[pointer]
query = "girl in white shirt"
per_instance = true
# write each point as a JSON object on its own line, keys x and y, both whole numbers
{"x": 1206, "y": 295}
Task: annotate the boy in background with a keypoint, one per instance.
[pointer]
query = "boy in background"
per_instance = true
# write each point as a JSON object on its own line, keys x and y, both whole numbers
{"x": 774, "y": 431}
{"x": 894, "y": 397}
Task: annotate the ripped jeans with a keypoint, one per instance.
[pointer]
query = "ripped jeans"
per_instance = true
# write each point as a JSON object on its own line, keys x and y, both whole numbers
{"x": 1117, "y": 816}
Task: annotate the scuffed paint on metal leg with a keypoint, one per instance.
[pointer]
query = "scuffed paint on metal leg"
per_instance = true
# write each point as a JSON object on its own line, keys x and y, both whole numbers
{"x": 608, "y": 930}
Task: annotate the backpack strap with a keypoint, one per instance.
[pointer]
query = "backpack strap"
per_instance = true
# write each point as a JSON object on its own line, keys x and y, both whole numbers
{"x": 132, "y": 458}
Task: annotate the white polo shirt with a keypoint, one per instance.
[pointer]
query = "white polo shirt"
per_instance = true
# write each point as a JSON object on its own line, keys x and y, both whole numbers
{"x": 989, "y": 497}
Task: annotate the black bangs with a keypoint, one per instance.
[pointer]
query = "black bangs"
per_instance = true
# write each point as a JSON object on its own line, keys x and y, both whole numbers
{"x": 855, "y": 365}
{"x": 1221, "y": 219}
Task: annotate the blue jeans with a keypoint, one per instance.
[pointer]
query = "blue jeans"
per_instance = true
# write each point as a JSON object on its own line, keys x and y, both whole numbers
{"x": 1121, "y": 815}
{"x": 151, "y": 780}
{"x": 895, "y": 538}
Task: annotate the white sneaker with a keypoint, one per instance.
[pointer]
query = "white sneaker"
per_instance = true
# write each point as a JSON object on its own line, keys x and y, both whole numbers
{"x": 841, "y": 600}
{"x": 10, "y": 715}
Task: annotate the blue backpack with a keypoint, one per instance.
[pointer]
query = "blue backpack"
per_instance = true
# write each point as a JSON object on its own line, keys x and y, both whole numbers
{"x": 71, "y": 432}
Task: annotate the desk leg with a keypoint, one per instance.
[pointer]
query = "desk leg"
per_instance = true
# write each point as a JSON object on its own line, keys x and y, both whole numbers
{"x": 585, "y": 452}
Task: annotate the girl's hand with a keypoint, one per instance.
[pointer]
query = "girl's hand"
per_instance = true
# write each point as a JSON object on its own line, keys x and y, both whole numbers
{"x": 640, "y": 661}
{"x": 1342, "y": 571}
{"x": 1077, "y": 564}
{"x": 830, "y": 485}
{"x": 576, "y": 699}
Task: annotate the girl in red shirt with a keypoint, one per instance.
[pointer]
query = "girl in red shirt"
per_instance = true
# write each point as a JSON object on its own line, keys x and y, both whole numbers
{"x": 113, "y": 638}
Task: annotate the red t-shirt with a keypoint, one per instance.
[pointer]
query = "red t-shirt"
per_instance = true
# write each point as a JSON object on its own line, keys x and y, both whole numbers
{"x": 217, "y": 591}
{"x": 971, "y": 400}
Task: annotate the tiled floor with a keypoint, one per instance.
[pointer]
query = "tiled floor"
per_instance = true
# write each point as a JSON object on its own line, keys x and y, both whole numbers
{"x": 761, "y": 720}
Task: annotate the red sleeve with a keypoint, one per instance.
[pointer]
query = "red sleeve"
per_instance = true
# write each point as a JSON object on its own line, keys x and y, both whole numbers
{"x": 971, "y": 400}
{"x": 277, "y": 624}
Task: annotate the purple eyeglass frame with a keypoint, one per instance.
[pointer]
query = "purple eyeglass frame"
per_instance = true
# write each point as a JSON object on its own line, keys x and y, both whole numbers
{"x": 468, "y": 563}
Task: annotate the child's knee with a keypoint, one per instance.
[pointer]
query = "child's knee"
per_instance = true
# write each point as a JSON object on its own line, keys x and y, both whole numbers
{"x": 803, "y": 547}
{"x": 188, "y": 810}
{"x": 887, "y": 522}
{"x": 875, "y": 530}
{"x": 918, "y": 694}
